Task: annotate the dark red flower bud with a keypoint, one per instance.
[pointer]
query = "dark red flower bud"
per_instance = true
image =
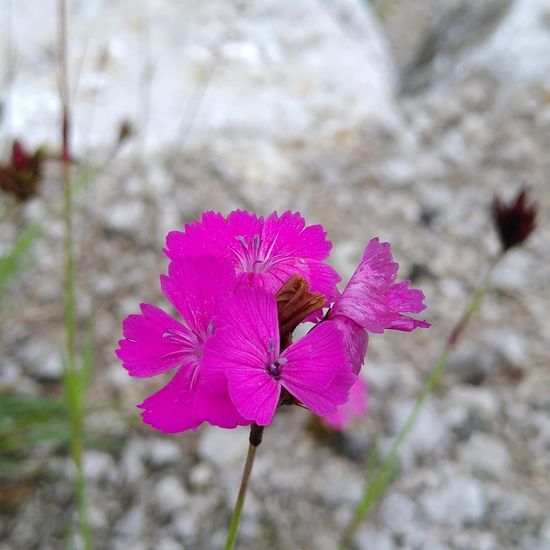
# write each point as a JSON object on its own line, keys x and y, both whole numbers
{"x": 515, "y": 220}
{"x": 22, "y": 174}
{"x": 19, "y": 157}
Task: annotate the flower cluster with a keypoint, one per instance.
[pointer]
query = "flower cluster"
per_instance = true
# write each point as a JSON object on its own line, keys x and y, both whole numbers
{"x": 242, "y": 284}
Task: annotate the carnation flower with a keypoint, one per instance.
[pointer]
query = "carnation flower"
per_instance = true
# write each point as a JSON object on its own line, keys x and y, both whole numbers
{"x": 265, "y": 253}
{"x": 372, "y": 301}
{"x": 245, "y": 351}
{"x": 155, "y": 343}
{"x": 242, "y": 284}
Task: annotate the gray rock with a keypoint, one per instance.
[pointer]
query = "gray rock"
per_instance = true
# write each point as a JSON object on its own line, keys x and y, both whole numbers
{"x": 132, "y": 461}
{"x": 397, "y": 511}
{"x": 98, "y": 466}
{"x": 129, "y": 528}
{"x": 125, "y": 216}
{"x": 473, "y": 364}
{"x": 169, "y": 495}
{"x": 366, "y": 539}
{"x": 162, "y": 452}
{"x": 168, "y": 543}
{"x": 201, "y": 476}
{"x": 458, "y": 501}
{"x": 429, "y": 432}
{"x": 486, "y": 454}
{"x": 223, "y": 448}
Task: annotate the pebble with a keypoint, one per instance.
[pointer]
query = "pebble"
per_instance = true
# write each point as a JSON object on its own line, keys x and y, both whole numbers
{"x": 98, "y": 466}
{"x": 223, "y": 448}
{"x": 458, "y": 501}
{"x": 169, "y": 495}
{"x": 486, "y": 454}
{"x": 162, "y": 452}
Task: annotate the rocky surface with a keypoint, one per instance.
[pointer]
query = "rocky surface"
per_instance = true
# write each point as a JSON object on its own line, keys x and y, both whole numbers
{"x": 475, "y": 473}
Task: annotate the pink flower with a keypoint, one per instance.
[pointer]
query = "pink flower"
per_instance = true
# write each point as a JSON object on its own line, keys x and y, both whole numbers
{"x": 372, "y": 301}
{"x": 241, "y": 285}
{"x": 354, "y": 408}
{"x": 245, "y": 352}
{"x": 265, "y": 253}
{"x": 155, "y": 343}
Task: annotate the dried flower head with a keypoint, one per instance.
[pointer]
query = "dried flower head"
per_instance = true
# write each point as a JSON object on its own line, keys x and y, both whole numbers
{"x": 21, "y": 175}
{"x": 515, "y": 220}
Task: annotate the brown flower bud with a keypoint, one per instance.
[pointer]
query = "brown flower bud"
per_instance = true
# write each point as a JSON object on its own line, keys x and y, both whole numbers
{"x": 515, "y": 220}
{"x": 294, "y": 303}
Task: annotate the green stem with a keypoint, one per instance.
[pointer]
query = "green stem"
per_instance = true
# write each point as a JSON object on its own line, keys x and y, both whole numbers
{"x": 382, "y": 475}
{"x": 74, "y": 395}
{"x": 255, "y": 439}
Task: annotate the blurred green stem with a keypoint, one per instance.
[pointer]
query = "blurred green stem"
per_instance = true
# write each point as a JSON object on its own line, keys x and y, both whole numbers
{"x": 383, "y": 474}
{"x": 256, "y": 433}
{"x": 74, "y": 389}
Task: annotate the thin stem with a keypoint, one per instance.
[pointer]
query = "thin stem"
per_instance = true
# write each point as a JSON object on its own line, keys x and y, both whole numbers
{"x": 255, "y": 439}
{"x": 73, "y": 391}
{"x": 383, "y": 474}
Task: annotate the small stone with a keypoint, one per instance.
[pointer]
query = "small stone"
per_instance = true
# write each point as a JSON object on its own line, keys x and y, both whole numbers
{"x": 472, "y": 365}
{"x": 223, "y": 447}
{"x": 460, "y": 501}
{"x": 130, "y": 527}
{"x": 397, "y": 511}
{"x": 161, "y": 452}
{"x": 98, "y": 466}
{"x": 367, "y": 539}
{"x": 486, "y": 454}
{"x": 168, "y": 543}
{"x": 169, "y": 495}
{"x": 201, "y": 476}
{"x": 428, "y": 433}
{"x": 125, "y": 216}
{"x": 132, "y": 461}
{"x": 42, "y": 360}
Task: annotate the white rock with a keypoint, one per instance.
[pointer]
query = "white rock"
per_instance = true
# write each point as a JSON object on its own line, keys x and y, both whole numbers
{"x": 126, "y": 216}
{"x": 486, "y": 454}
{"x": 169, "y": 495}
{"x": 168, "y": 543}
{"x": 223, "y": 448}
{"x": 98, "y": 466}
{"x": 201, "y": 475}
{"x": 367, "y": 539}
{"x": 397, "y": 511}
{"x": 458, "y": 501}
{"x": 132, "y": 461}
{"x": 256, "y": 82}
{"x": 429, "y": 431}
{"x": 162, "y": 452}
{"x": 129, "y": 528}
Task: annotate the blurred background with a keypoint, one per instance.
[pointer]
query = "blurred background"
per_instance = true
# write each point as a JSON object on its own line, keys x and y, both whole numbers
{"x": 399, "y": 119}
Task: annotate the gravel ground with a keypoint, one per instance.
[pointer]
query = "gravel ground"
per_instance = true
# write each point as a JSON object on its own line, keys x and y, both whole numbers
{"x": 475, "y": 473}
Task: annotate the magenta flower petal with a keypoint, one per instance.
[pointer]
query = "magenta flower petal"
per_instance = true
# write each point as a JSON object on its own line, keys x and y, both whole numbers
{"x": 356, "y": 407}
{"x": 356, "y": 341}
{"x": 196, "y": 288}
{"x": 169, "y": 409}
{"x": 210, "y": 236}
{"x": 216, "y": 408}
{"x": 246, "y": 341}
{"x": 287, "y": 236}
{"x": 373, "y": 300}
{"x": 264, "y": 253}
{"x": 155, "y": 343}
{"x": 313, "y": 364}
